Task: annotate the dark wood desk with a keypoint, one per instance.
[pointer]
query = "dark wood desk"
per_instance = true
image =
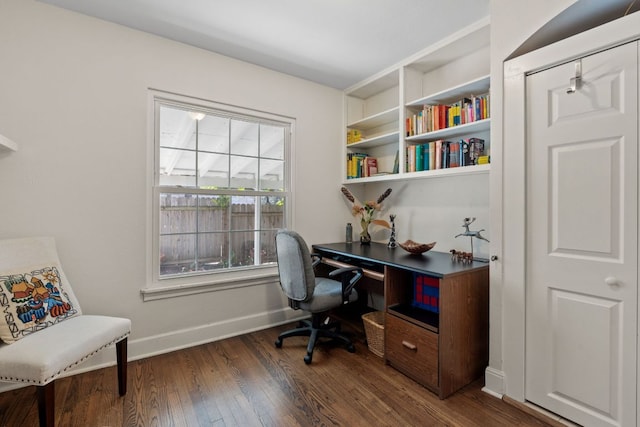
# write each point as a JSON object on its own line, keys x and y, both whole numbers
{"x": 377, "y": 255}
{"x": 445, "y": 348}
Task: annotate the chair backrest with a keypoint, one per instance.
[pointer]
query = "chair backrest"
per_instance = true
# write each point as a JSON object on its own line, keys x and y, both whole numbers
{"x": 34, "y": 291}
{"x": 295, "y": 268}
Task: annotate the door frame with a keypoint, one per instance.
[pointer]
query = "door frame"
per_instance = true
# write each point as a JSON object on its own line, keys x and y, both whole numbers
{"x": 513, "y": 180}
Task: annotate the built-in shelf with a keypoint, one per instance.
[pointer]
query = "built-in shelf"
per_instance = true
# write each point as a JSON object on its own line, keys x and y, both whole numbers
{"x": 376, "y": 120}
{"x": 376, "y": 140}
{"x": 477, "y": 86}
{"x": 7, "y": 145}
{"x": 435, "y": 173}
{"x": 386, "y": 107}
{"x": 465, "y": 129}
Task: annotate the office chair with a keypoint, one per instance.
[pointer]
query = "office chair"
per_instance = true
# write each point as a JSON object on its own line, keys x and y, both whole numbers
{"x": 316, "y": 295}
{"x": 43, "y": 329}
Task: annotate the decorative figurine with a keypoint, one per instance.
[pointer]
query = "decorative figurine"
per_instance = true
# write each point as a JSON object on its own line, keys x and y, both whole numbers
{"x": 392, "y": 239}
{"x": 465, "y": 224}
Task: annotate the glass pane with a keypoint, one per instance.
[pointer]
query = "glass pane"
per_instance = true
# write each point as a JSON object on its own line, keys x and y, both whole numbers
{"x": 177, "y": 167}
{"x": 268, "y": 245}
{"x": 244, "y": 138}
{"x": 272, "y": 141}
{"x": 242, "y": 248}
{"x": 271, "y": 213}
{"x": 213, "y": 170}
{"x": 213, "y": 213}
{"x": 271, "y": 175}
{"x": 213, "y": 134}
{"x": 177, "y": 213}
{"x": 177, "y": 254}
{"x": 177, "y": 128}
{"x": 244, "y": 172}
{"x": 243, "y": 210}
{"x": 213, "y": 251}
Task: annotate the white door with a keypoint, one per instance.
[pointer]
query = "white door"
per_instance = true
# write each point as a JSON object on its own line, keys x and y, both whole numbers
{"x": 582, "y": 239}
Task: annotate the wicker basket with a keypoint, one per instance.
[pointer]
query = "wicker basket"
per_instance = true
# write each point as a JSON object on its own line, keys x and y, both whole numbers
{"x": 374, "y": 330}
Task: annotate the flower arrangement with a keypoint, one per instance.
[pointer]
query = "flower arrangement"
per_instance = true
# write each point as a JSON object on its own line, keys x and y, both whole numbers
{"x": 366, "y": 213}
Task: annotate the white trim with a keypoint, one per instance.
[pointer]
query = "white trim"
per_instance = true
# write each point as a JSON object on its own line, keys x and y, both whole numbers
{"x": 493, "y": 382}
{"x": 170, "y": 291}
{"x": 600, "y": 38}
{"x": 202, "y": 334}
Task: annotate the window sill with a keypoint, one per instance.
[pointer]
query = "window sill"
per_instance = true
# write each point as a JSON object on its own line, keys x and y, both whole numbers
{"x": 265, "y": 277}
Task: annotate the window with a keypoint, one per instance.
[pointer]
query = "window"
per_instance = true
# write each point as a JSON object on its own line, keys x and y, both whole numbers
{"x": 220, "y": 188}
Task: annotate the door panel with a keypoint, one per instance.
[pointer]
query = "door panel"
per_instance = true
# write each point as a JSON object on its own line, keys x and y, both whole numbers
{"x": 595, "y": 166}
{"x": 582, "y": 237}
{"x": 572, "y": 342}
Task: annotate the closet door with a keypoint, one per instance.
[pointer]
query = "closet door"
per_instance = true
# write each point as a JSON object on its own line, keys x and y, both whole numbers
{"x": 582, "y": 239}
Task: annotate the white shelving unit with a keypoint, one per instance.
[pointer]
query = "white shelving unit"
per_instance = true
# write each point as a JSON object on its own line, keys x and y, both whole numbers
{"x": 454, "y": 68}
{"x": 7, "y": 145}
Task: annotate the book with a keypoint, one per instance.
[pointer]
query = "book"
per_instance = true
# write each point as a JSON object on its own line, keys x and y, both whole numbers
{"x": 370, "y": 166}
{"x": 438, "y": 154}
{"x": 464, "y": 153}
{"x": 396, "y": 163}
{"x": 425, "y": 156}
{"x": 454, "y": 154}
{"x": 419, "y": 158}
{"x": 411, "y": 158}
{"x": 432, "y": 155}
{"x": 476, "y": 149}
{"x": 353, "y": 135}
{"x": 444, "y": 155}
{"x": 355, "y": 165}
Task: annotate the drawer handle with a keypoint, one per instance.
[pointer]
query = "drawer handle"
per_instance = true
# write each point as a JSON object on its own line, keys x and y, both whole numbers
{"x": 409, "y": 345}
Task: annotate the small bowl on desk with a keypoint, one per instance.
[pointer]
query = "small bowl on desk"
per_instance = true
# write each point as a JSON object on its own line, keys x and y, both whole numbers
{"x": 416, "y": 248}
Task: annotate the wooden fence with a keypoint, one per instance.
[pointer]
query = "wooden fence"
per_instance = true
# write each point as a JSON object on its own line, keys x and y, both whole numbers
{"x": 211, "y": 237}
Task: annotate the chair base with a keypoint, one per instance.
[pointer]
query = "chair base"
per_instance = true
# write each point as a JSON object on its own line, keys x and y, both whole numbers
{"x": 316, "y": 329}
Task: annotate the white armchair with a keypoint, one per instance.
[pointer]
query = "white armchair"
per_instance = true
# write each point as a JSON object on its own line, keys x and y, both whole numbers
{"x": 42, "y": 328}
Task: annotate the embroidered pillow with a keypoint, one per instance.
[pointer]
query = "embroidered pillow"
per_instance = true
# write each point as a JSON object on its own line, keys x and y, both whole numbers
{"x": 31, "y": 300}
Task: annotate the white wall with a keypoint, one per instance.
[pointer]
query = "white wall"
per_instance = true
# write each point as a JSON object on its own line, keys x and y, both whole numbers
{"x": 73, "y": 95}
{"x": 432, "y": 210}
{"x": 512, "y": 23}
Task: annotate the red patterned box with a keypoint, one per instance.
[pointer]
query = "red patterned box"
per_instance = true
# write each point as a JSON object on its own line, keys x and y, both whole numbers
{"x": 426, "y": 292}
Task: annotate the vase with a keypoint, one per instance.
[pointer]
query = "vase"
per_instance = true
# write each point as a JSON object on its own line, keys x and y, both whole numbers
{"x": 365, "y": 237}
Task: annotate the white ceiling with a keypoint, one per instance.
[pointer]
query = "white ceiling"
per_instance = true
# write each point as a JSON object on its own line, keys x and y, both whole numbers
{"x": 332, "y": 42}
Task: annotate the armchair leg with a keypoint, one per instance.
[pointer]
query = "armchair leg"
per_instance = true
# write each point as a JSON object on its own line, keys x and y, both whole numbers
{"x": 121, "y": 357}
{"x": 46, "y": 401}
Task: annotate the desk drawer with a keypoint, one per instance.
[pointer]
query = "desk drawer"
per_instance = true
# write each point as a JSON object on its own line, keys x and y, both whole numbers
{"x": 412, "y": 350}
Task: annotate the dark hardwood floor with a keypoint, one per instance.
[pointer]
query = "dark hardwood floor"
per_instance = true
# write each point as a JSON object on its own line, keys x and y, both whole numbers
{"x": 246, "y": 381}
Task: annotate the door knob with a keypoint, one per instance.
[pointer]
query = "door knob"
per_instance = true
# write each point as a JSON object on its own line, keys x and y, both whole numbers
{"x": 612, "y": 281}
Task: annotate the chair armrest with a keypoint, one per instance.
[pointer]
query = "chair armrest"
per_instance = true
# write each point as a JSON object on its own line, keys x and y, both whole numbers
{"x": 349, "y": 276}
{"x": 315, "y": 259}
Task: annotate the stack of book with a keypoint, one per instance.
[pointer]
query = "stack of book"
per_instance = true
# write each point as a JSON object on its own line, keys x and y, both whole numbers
{"x": 353, "y": 135}
{"x": 436, "y": 117}
{"x": 445, "y": 154}
{"x": 361, "y": 165}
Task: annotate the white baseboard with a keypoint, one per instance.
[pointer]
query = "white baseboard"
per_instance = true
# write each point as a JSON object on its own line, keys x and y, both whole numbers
{"x": 493, "y": 382}
{"x": 176, "y": 340}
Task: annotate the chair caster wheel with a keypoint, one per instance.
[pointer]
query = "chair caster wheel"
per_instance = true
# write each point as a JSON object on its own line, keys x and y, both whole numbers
{"x": 307, "y": 359}
{"x": 278, "y": 343}
{"x": 351, "y": 349}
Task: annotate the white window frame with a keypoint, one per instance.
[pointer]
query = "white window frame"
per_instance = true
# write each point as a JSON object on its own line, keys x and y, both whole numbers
{"x": 166, "y": 287}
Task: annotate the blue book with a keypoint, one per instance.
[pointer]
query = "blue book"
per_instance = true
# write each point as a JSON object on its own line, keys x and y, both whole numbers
{"x": 425, "y": 156}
